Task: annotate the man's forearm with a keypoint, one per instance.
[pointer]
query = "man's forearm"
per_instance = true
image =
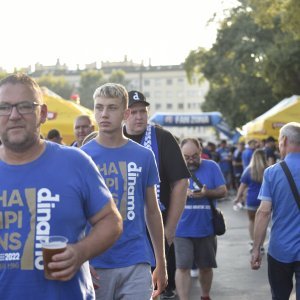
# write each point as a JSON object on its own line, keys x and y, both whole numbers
{"x": 262, "y": 219}
{"x": 176, "y": 207}
{"x": 217, "y": 193}
{"x": 156, "y": 231}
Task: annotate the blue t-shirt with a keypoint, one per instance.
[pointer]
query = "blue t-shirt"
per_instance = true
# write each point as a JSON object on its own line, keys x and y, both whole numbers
{"x": 284, "y": 243}
{"x": 246, "y": 157}
{"x": 53, "y": 195}
{"x": 128, "y": 171}
{"x": 253, "y": 189}
{"x": 224, "y": 163}
{"x": 196, "y": 219}
{"x": 237, "y": 158}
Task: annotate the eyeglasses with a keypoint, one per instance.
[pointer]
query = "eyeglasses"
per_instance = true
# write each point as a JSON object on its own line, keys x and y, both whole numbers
{"x": 192, "y": 157}
{"x": 23, "y": 108}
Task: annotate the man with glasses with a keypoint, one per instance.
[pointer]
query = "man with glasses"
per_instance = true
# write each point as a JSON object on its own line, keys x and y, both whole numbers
{"x": 195, "y": 241}
{"x": 46, "y": 189}
{"x": 83, "y": 126}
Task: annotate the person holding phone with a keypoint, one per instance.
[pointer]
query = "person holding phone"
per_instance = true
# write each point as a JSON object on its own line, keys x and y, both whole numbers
{"x": 195, "y": 241}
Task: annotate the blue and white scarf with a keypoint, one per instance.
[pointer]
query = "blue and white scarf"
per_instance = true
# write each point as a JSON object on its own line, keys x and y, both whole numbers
{"x": 149, "y": 141}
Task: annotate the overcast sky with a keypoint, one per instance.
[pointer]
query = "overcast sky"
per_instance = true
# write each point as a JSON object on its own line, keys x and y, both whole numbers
{"x": 81, "y": 32}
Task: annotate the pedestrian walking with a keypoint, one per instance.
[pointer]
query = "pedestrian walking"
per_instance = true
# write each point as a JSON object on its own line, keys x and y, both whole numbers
{"x": 46, "y": 189}
{"x": 280, "y": 202}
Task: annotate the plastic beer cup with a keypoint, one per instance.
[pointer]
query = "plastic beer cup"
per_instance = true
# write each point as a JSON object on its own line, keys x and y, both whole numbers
{"x": 52, "y": 245}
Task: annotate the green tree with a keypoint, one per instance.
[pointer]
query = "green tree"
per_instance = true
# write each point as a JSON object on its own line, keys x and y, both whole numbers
{"x": 233, "y": 67}
{"x": 283, "y": 64}
{"x": 57, "y": 84}
{"x": 118, "y": 76}
{"x": 282, "y": 69}
{"x": 3, "y": 75}
{"x": 250, "y": 67}
{"x": 286, "y": 13}
{"x": 89, "y": 81}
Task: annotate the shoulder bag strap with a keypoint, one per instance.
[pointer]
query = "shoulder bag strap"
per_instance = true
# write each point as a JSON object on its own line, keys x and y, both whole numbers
{"x": 196, "y": 180}
{"x": 200, "y": 185}
{"x": 291, "y": 182}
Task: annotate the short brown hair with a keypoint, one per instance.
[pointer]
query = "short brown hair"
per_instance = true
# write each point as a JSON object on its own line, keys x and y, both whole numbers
{"x": 21, "y": 78}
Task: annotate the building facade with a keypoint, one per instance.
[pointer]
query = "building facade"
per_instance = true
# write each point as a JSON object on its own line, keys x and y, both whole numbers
{"x": 165, "y": 87}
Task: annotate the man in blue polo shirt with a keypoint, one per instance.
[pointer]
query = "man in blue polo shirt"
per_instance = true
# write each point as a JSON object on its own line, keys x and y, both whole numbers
{"x": 278, "y": 202}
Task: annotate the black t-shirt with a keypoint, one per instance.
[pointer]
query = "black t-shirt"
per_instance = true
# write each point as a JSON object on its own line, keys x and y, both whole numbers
{"x": 172, "y": 166}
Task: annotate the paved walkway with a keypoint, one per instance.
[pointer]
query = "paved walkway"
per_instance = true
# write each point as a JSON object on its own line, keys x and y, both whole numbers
{"x": 234, "y": 279}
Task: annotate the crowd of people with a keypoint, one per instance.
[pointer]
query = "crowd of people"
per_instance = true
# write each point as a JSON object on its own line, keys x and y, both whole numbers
{"x": 134, "y": 203}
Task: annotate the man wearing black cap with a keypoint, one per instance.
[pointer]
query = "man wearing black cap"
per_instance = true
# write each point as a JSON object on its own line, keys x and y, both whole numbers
{"x": 171, "y": 192}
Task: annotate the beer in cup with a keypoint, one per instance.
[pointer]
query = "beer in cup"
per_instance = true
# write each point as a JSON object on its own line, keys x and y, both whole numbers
{"x": 52, "y": 245}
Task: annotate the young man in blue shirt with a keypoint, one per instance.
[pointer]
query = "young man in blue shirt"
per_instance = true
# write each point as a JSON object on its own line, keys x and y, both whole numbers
{"x": 131, "y": 174}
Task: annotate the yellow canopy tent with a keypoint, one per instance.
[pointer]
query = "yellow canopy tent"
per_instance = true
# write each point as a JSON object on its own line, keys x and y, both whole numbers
{"x": 269, "y": 123}
{"x": 61, "y": 115}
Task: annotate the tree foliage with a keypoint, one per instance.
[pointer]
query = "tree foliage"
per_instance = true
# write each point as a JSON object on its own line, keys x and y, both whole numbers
{"x": 57, "y": 84}
{"x": 89, "y": 81}
{"x": 283, "y": 12}
{"x": 3, "y": 75}
{"x": 250, "y": 67}
{"x": 118, "y": 76}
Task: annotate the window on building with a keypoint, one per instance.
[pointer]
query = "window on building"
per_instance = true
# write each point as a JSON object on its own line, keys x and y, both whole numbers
{"x": 169, "y": 105}
{"x": 147, "y": 82}
{"x": 169, "y": 81}
{"x": 180, "y": 105}
{"x": 157, "y": 82}
{"x": 157, "y": 106}
{"x": 157, "y": 95}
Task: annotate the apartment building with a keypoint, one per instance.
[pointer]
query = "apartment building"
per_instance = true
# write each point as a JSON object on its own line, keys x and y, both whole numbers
{"x": 165, "y": 87}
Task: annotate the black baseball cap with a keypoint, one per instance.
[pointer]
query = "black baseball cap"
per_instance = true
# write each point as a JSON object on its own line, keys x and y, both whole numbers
{"x": 136, "y": 97}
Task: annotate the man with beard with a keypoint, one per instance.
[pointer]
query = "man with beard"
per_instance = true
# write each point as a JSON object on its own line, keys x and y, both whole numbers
{"x": 195, "y": 240}
{"x": 47, "y": 189}
{"x": 173, "y": 173}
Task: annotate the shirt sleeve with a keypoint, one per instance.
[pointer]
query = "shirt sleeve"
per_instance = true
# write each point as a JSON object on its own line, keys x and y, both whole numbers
{"x": 265, "y": 192}
{"x": 218, "y": 175}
